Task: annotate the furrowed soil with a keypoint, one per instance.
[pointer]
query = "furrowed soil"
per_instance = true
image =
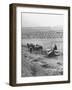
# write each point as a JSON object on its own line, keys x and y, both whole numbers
{"x": 35, "y": 64}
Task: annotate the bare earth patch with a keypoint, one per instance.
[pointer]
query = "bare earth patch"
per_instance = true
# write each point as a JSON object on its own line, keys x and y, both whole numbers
{"x": 38, "y": 65}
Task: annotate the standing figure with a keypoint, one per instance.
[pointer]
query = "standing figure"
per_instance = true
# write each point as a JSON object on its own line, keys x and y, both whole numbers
{"x": 55, "y": 47}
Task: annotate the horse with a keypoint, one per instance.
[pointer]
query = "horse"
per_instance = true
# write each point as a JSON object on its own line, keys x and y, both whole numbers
{"x": 38, "y": 47}
{"x": 32, "y": 47}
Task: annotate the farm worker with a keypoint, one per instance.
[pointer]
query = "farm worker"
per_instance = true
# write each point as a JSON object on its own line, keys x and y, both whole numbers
{"x": 55, "y": 47}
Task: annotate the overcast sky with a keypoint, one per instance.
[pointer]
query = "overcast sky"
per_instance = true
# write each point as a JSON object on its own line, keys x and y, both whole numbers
{"x": 41, "y": 20}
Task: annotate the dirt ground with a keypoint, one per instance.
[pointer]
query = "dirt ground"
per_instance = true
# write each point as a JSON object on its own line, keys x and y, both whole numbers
{"x": 35, "y": 64}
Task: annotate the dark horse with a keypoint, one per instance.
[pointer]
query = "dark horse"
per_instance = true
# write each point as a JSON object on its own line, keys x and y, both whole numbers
{"x": 32, "y": 47}
{"x": 38, "y": 47}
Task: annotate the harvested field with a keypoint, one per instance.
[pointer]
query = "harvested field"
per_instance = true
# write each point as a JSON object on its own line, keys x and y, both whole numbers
{"x": 35, "y": 64}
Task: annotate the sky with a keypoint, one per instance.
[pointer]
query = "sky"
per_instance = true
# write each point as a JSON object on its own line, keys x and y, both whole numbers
{"x": 41, "y": 20}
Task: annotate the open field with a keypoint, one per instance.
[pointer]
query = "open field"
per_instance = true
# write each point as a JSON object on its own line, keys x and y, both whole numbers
{"x": 35, "y": 64}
